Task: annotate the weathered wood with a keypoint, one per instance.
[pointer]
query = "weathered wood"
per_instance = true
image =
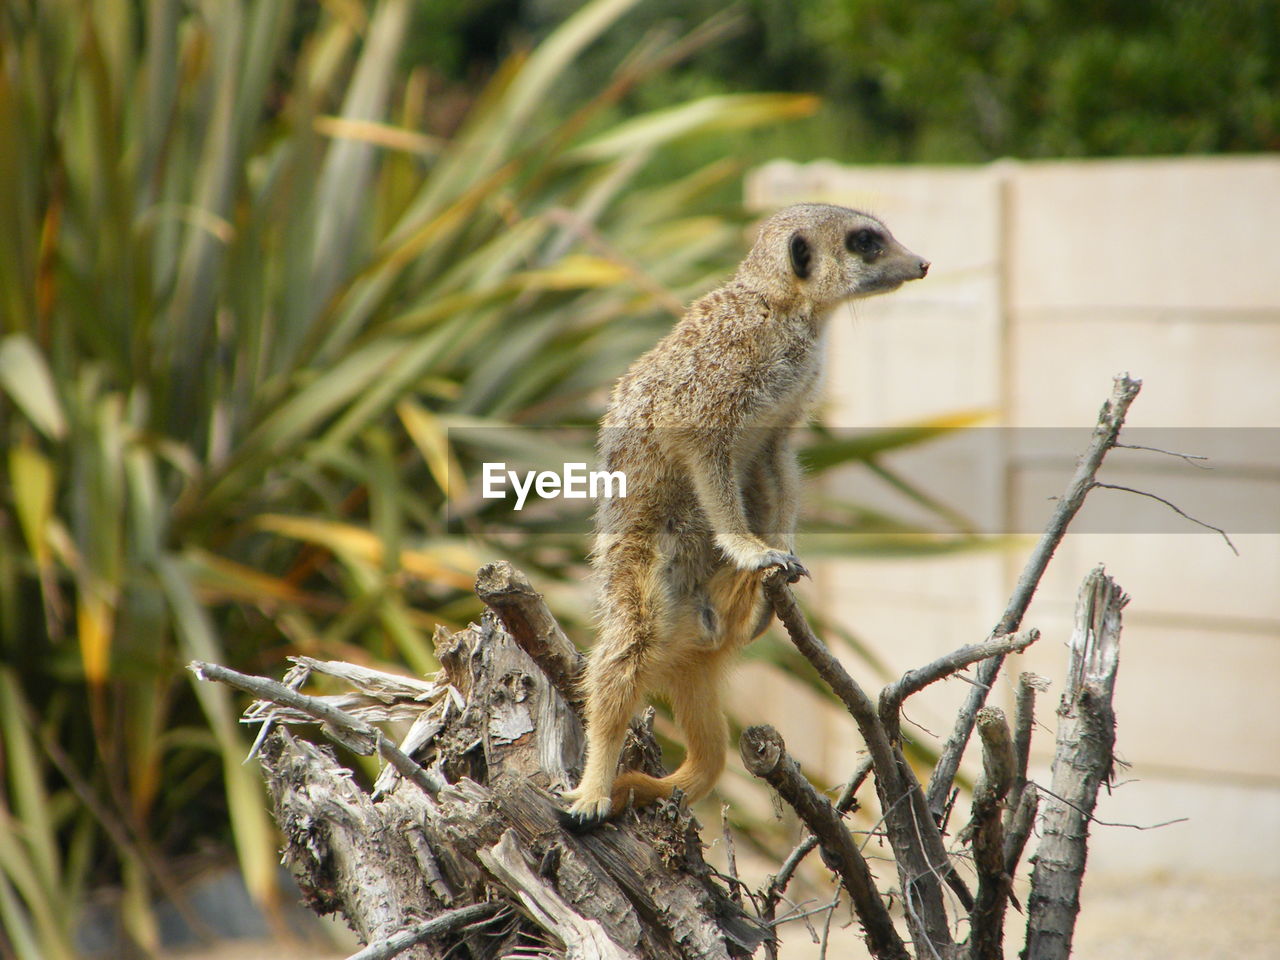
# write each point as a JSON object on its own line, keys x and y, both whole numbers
{"x": 765, "y": 756}
{"x": 446, "y": 923}
{"x": 526, "y": 616}
{"x": 468, "y": 815}
{"x": 1105, "y": 436}
{"x": 985, "y": 834}
{"x": 582, "y": 939}
{"x": 358, "y": 736}
{"x": 1082, "y": 760}
{"x": 347, "y": 854}
{"x": 1029, "y": 684}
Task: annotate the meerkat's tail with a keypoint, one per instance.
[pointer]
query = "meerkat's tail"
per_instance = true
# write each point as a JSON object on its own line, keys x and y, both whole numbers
{"x": 633, "y": 788}
{"x": 695, "y": 701}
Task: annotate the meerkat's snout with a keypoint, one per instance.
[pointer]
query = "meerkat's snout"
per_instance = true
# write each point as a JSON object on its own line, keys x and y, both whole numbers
{"x": 924, "y": 269}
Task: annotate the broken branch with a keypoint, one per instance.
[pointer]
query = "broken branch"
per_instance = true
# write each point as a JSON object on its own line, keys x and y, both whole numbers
{"x": 765, "y": 755}
{"x": 356, "y": 735}
{"x": 437, "y": 926}
{"x": 1024, "y": 717}
{"x": 987, "y": 836}
{"x": 913, "y": 681}
{"x": 527, "y": 618}
{"x": 1082, "y": 761}
{"x": 1105, "y": 435}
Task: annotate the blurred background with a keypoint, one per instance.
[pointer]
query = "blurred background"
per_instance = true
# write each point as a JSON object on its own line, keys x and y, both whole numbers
{"x": 258, "y": 259}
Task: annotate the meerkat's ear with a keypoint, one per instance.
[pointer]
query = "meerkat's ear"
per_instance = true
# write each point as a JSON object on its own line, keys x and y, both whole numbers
{"x": 801, "y": 255}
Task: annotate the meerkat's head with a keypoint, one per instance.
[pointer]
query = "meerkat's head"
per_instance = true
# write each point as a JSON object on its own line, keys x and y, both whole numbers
{"x": 822, "y": 255}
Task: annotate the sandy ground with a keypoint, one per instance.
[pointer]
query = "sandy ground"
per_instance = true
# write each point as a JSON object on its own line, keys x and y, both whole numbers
{"x": 1171, "y": 917}
{"x": 1122, "y": 918}
{"x": 1141, "y": 918}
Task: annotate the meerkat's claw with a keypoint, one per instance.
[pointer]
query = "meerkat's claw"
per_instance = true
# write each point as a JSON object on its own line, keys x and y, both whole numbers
{"x": 584, "y": 815}
{"x": 797, "y": 570}
{"x": 789, "y": 563}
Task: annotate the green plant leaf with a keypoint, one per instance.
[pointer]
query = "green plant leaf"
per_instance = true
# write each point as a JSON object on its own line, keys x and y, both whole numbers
{"x": 34, "y": 487}
{"x": 254, "y": 836}
{"x": 724, "y": 112}
{"x": 828, "y": 452}
{"x": 25, "y": 376}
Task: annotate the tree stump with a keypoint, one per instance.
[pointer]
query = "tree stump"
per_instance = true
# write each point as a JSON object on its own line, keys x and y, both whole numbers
{"x": 475, "y": 845}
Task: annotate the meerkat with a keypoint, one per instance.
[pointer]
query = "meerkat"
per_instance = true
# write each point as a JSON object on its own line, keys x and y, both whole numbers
{"x": 701, "y": 426}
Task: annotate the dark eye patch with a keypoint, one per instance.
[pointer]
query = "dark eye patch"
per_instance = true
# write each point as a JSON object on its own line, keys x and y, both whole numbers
{"x": 865, "y": 242}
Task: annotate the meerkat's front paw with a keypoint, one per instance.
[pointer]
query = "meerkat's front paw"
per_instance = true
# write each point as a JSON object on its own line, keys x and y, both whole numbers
{"x": 748, "y": 553}
{"x": 789, "y": 563}
{"x": 584, "y": 813}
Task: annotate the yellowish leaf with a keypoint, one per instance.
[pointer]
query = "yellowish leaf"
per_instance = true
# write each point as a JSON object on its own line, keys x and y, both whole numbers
{"x": 25, "y": 376}
{"x": 227, "y": 579}
{"x": 33, "y": 481}
{"x": 378, "y": 134}
{"x": 431, "y": 438}
{"x": 95, "y": 621}
{"x": 356, "y": 542}
{"x": 576, "y": 272}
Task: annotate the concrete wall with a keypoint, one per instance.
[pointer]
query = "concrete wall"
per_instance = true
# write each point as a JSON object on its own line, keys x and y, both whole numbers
{"x": 1048, "y": 279}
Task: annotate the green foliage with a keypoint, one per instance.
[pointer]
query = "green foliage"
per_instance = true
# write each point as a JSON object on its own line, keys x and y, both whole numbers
{"x": 242, "y": 299}
{"x": 975, "y": 80}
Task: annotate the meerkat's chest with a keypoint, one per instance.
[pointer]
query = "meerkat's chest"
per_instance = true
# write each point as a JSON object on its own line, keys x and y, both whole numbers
{"x": 795, "y": 376}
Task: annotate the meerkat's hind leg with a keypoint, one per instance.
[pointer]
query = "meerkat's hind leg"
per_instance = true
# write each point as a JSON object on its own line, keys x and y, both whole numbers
{"x": 694, "y": 692}
{"x": 695, "y": 696}
{"x": 615, "y": 683}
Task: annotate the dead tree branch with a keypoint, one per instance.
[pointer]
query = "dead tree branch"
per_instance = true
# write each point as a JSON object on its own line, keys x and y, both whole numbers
{"x": 1024, "y": 718}
{"x": 356, "y": 735}
{"x": 765, "y": 755}
{"x": 1105, "y": 435}
{"x": 913, "y": 681}
{"x": 777, "y": 884}
{"x": 1004, "y": 805}
{"x": 1172, "y": 506}
{"x": 1018, "y": 828}
{"x": 1082, "y": 761}
{"x": 448, "y": 922}
{"x": 923, "y": 864}
{"x": 525, "y": 615}
{"x": 986, "y": 836}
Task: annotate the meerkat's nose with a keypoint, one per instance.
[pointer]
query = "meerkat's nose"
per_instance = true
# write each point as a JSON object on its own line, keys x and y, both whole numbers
{"x": 924, "y": 268}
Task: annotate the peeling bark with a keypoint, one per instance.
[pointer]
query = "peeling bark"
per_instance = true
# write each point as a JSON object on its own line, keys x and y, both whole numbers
{"x": 491, "y": 740}
{"x": 1082, "y": 762}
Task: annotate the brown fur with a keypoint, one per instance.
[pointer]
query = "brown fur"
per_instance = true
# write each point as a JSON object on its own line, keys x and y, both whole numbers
{"x": 701, "y": 426}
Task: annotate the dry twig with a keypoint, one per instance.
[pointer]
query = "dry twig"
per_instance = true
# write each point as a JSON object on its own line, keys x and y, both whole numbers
{"x": 765, "y": 755}
{"x": 1105, "y": 435}
{"x": 354, "y": 734}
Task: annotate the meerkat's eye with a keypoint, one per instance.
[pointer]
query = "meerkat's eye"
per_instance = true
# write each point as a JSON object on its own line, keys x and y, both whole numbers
{"x": 865, "y": 242}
